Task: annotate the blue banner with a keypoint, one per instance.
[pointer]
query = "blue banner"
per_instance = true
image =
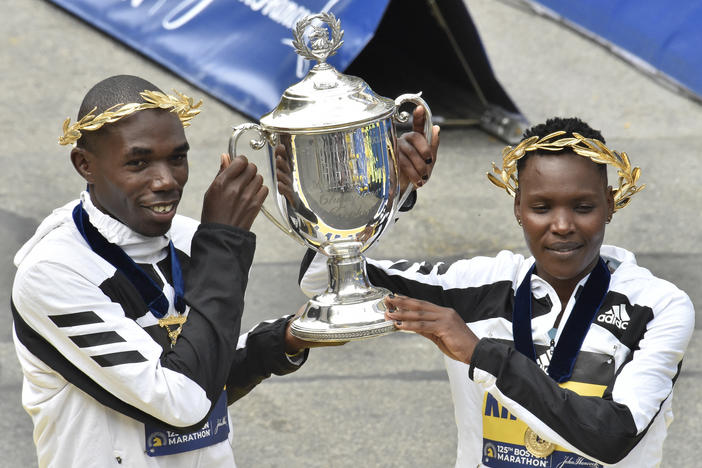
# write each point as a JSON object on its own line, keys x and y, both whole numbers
{"x": 237, "y": 50}
{"x": 662, "y": 37}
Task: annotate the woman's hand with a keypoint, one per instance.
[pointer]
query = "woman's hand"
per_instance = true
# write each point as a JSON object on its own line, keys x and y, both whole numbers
{"x": 441, "y": 325}
{"x": 416, "y": 157}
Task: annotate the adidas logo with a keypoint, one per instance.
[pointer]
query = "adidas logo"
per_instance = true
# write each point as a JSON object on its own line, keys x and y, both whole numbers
{"x": 616, "y": 316}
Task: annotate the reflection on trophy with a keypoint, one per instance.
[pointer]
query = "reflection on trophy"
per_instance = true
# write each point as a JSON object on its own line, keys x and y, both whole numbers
{"x": 331, "y": 142}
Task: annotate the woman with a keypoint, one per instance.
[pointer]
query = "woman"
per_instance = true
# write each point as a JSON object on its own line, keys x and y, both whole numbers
{"x": 565, "y": 358}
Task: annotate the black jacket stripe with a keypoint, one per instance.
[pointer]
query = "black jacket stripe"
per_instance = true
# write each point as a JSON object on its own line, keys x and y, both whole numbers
{"x": 42, "y": 349}
{"x": 593, "y": 368}
{"x": 487, "y": 299}
{"x": 96, "y": 339}
{"x": 150, "y": 271}
{"x": 165, "y": 266}
{"x": 75, "y": 319}
{"x": 121, "y": 291}
{"x": 119, "y": 358}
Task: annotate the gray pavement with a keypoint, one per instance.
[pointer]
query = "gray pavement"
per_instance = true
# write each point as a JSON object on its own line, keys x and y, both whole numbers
{"x": 381, "y": 402}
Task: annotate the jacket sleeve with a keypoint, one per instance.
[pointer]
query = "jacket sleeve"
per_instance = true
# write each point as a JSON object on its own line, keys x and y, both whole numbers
{"x": 604, "y": 429}
{"x": 401, "y": 277}
{"x": 64, "y": 318}
{"x": 461, "y": 284}
{"x": 260, "y": 353}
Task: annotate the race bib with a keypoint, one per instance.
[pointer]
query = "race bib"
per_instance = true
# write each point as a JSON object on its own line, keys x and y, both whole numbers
{"x": 509, "y": 443}
{"x": 160, "y": 441}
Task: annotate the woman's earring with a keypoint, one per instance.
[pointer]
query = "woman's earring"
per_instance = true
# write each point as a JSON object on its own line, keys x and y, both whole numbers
{"x": 519, "y": 221}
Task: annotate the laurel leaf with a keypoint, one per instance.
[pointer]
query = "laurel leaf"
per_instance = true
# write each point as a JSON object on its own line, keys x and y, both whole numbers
{"x": 590, "y": 148}
{"x": 180, "y": 104}
{"x": 505, "y": 177}
{"x": 563, "y": 142}
{"x": 551, "y": 135}
{"x": 496, "y": 181}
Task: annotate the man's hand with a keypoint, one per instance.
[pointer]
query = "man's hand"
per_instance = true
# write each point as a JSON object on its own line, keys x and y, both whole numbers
{"x": 416, "y": 158}
{"x": 294, "y": 345}
{"x": 441, "y": 325}
{"x": 235, "y": 195}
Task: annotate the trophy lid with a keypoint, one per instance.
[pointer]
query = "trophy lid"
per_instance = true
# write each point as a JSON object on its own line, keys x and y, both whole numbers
{"x": 325, "y": 99}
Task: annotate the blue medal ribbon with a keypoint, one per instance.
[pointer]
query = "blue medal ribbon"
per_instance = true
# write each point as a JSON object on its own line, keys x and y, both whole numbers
{"x": 586, "y": 306}
{"x": 115, "y": 256}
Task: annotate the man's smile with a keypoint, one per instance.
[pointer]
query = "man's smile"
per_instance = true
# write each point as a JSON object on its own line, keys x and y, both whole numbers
{"x": 162, "y": 208}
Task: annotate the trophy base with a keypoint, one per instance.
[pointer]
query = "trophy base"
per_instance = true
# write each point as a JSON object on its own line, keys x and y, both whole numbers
{"x": 330, "y": 317}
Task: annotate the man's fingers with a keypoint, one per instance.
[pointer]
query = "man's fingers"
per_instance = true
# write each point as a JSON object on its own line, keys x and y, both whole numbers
{"x": 252, "y": 191}
{"x": 250, "y": 200}
{"x": 224, "y": 161}
{"x": 232, "y": 167}
{"x": 261, "y": 193}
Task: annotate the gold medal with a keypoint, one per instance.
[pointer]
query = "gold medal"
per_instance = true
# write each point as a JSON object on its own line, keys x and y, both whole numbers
{"x": 173, "y": 320}
{"x": 540, "y": 448}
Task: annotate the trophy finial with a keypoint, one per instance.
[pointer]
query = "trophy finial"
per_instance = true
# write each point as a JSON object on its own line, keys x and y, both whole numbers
{"x": 321, "y": 46}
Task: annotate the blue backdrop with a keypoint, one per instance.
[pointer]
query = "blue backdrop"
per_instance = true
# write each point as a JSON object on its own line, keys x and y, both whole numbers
{"x": 659, "y": 36}
{"x": 237, "y": 50}
{"x": 240, "y": 52}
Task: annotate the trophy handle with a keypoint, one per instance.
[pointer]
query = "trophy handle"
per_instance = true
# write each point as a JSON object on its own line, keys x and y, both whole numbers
{"x": 403, "y": 117}
{"x": 258, "y": 144}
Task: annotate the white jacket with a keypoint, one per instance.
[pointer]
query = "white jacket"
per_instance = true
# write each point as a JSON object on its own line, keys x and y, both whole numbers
{"x": 628, "y": 362}
{"x": 98, "y": 367}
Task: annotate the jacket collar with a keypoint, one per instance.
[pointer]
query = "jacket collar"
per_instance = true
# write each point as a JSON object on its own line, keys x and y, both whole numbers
{"x": 142, "y": 249}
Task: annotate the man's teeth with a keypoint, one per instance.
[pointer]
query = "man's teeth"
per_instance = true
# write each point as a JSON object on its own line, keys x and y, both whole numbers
{"x": 162, "y": 208}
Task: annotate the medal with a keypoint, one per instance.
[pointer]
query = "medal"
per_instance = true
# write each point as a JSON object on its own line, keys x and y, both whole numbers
{"x": 540, "y": 448}
{"x": 173, "y": 320}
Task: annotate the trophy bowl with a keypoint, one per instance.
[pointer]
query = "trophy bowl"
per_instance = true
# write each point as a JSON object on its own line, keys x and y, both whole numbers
{"x": 332, "y": 150}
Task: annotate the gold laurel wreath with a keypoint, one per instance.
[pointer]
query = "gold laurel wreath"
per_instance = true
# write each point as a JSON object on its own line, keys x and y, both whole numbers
{"x": 587, "y": 147}
{"x": 181, "y": 104}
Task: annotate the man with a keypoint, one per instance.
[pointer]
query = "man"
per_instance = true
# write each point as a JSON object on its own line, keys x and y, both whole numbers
{"x": 126, "y": 315}
{"x": 566, "y": 358}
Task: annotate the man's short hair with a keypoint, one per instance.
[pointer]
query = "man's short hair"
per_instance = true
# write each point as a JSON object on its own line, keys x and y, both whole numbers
{"x": 118, "y": 89}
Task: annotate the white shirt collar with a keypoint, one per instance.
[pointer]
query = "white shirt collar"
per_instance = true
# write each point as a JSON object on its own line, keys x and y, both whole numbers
{"x": 142, "y": 249}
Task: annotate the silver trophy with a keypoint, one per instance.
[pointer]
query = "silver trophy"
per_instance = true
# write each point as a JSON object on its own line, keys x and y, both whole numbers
{"x": 332, "y": 147}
